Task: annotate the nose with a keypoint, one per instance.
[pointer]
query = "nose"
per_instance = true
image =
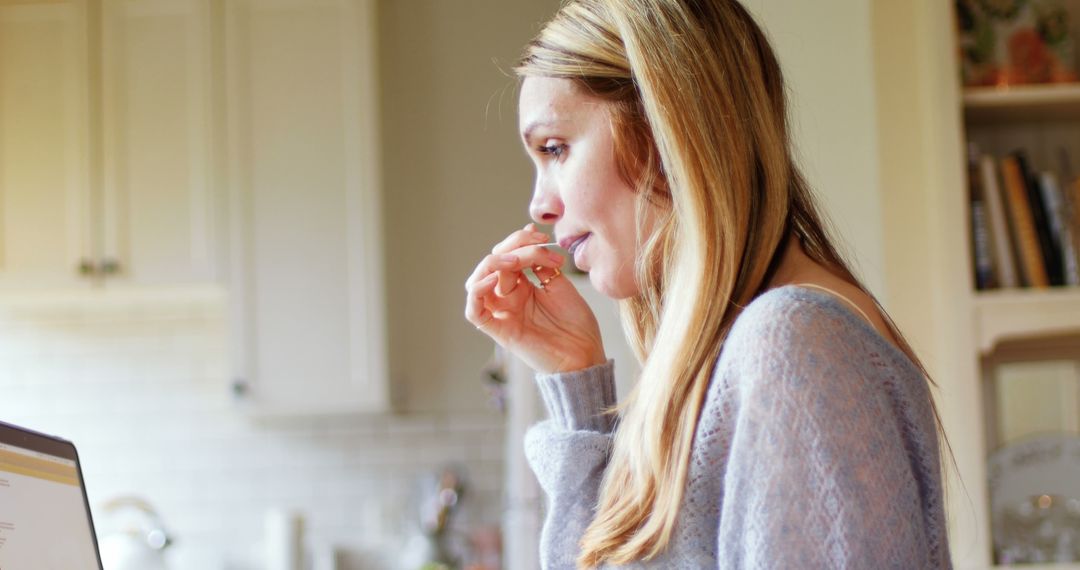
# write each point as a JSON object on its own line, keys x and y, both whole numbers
{"x": 546, "y": 207}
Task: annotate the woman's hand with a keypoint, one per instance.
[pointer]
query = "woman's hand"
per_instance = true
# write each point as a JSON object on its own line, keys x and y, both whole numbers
{"x": 551, "y": 328}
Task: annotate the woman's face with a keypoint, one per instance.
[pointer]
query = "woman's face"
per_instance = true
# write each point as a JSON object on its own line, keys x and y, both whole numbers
{"x": 568, "y": 136}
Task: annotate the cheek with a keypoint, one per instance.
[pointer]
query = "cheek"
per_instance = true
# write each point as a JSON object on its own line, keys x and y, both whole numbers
{"x": 595, "y": 195}
{"x": 582, "y": 190}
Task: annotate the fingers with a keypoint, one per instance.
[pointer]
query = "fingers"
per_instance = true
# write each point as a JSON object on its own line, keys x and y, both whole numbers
{"x": 522, "y": 242}
{"x": 530, "y": 257}
{"x": 492, "y": 263}
{"x": 510, "y": 267}
{"x": 511, "y": 264}
{"x": 520, "y": 238}
{"x": 547, "y": 276}
{"x": 502, "y": 272}
{"x": 507, "y": 282}
{"x": 515, "y": 241}
{"x": 475, "y": 310}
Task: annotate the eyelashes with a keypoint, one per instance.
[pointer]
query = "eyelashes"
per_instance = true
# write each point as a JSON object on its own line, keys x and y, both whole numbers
{"x": 555, "y": 150}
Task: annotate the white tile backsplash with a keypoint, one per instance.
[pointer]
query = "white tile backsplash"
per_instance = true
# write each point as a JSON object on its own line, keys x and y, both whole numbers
{"x": 141, "y": 387}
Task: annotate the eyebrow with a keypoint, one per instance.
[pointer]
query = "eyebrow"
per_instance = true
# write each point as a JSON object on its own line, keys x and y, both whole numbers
{"x": 527, "y": 132}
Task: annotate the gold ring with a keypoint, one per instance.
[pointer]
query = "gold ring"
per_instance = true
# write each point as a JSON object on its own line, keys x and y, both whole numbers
{"x": 557, "y": 273}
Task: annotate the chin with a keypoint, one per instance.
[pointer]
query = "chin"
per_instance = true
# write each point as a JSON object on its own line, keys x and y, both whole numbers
{"x": 609, "y": 287}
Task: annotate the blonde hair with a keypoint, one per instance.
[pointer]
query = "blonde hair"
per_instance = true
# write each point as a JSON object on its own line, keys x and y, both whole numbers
{"x": 697, "y": 104}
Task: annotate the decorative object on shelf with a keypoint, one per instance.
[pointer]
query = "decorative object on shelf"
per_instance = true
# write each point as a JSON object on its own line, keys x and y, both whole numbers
{"x": 1014, "y": 42}
{"x": 283, "y": 539}
{"x": 436, "y": 546}
{"x": 485, "y": 548}
{"x": 495, "y": 377}
{"x": 1042, "y": 528}
{"x": 1035, "y": 500}
{"x": 132, "y": 536}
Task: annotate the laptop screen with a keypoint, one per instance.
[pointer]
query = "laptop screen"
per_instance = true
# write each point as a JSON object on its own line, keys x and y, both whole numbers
{"x": 44, "y": 520}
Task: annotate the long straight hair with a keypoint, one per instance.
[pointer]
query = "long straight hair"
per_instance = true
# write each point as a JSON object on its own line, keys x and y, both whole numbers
{"x": 696, "y": 99}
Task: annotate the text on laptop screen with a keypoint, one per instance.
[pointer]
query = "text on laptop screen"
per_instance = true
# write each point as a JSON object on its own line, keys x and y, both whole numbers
{"x": 43, "y": 520}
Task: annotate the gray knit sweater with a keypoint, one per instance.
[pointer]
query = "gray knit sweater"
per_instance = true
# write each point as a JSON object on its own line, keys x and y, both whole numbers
{"x": 815, "y": 448}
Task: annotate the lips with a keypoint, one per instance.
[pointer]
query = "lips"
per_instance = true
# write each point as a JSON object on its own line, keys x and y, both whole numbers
{"x": 571, "y": 244}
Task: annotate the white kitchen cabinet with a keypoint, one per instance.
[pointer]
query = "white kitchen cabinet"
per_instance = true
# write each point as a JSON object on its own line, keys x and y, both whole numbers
{"x": 306, "y": 277}
{"x": 107, "y": 170}
{"x": 160, "y": 217}
{"x": 44, "y": 144}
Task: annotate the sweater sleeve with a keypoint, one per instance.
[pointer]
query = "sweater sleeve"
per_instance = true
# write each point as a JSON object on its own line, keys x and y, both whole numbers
{"x": 569, "y": 452}
{"x": 818, "y": 475}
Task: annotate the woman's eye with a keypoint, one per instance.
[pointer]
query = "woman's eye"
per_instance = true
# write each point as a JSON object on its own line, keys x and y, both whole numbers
{"x": 555, "y": 150}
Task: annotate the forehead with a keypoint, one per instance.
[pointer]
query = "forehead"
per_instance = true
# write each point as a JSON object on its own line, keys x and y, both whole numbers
{"x": 547, "y": 100}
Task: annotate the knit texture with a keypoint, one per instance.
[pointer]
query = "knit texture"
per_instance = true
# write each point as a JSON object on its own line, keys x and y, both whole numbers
{"x": 815, "y": 448}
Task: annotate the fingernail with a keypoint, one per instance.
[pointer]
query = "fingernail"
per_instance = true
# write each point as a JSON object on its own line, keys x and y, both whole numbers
{"x": 508, "y": 257}
{"x": 539, "y": 235}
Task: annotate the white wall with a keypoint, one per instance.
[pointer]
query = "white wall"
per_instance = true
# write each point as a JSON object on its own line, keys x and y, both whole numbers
{"x": 456, "y": 180}
{"x": 826, "y": 52}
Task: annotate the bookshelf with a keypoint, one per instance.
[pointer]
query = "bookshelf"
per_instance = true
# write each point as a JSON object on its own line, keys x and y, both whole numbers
{"x": 925, "y": 121}
{"x": 1019, "y": 324}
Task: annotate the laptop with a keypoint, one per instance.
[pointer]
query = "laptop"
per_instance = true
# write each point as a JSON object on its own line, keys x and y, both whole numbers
{"x": 45, "y": 519}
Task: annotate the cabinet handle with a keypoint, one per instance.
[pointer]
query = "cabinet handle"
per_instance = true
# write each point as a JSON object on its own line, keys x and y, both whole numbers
{"x": 110, "y": 267}
{"x": 86, "y": 267}
{"x": 240, "y": 388}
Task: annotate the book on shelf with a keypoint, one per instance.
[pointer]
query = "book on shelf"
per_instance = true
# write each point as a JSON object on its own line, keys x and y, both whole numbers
{"x": 1051, "y": 252}
{"x": 985, "y": 276}
{"x": 1071, "y": 212}
{"x": 1025, "y": 224}
{"x": 1060, "y": 230}
{"x": 1004, "y": 253}
{"x": 981, "y": 230}
{"x": 1033, "y": 268}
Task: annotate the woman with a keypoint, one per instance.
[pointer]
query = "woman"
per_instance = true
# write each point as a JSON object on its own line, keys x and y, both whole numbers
{"x": 780, "y": 419}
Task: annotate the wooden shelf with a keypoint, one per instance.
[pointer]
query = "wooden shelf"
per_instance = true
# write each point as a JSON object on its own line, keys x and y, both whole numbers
{"x": 989, "y": 105}
{"x": 1013, "y": 314}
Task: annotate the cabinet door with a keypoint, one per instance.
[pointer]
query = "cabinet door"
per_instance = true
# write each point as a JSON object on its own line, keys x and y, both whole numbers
{"x": 307, "y": 279}
{"x": 44, "y": 144}
{"x": 158, "y": 198}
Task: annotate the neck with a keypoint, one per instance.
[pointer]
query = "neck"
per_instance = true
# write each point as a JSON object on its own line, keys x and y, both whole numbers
{"x": 794, "y": 265}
